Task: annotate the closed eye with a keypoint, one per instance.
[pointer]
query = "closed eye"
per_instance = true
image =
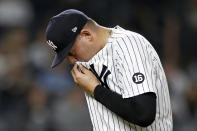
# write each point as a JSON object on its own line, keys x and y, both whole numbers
{"x": 70, "y": 54}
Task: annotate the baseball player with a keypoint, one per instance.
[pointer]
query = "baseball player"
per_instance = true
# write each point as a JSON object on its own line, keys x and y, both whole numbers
{"x": 122, "y": 76}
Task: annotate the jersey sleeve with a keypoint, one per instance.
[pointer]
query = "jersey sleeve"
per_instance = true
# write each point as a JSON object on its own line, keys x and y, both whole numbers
{"x": 135, "y": 69}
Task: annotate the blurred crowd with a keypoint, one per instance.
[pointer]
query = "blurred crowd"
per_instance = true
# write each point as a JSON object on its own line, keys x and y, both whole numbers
{"x": 34, "y": 97}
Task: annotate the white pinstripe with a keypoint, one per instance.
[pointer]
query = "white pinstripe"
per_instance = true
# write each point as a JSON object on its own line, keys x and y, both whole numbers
{"x": 127, "y": 53}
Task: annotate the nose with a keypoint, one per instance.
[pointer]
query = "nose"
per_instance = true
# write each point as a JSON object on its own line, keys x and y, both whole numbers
{"x": 71, "y": 59}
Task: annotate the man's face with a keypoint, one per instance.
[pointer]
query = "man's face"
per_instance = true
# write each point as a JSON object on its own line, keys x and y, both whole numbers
{"x": 82, "y": 49}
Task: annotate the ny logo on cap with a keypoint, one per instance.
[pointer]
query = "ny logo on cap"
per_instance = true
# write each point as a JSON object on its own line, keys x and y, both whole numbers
{"x": 74, "y": 29}
{"x": 50, "y": 43}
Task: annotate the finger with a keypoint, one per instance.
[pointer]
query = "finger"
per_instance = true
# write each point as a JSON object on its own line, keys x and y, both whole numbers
{"x": 73, "y": 75}
{"x": 75, "y": 70}
{"x": 78, "y": 69}
{"x": 72, "y": 71}
{"x": 83, "y": 69}
{"x": 74, "y": 78}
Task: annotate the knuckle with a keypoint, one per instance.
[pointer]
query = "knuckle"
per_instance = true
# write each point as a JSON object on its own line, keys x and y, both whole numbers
{"x": 77, "y": 78}
{"x": 75, "y": 81}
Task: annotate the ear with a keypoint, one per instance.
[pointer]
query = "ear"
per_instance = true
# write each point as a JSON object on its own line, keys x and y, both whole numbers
{"x": 87, "y": 34}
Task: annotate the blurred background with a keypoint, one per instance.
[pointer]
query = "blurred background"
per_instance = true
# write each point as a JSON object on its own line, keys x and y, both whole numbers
{"x": 33, "y": 97}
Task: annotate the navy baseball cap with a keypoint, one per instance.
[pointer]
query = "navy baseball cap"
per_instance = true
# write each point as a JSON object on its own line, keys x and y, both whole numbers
{"x": 62, "y": 31}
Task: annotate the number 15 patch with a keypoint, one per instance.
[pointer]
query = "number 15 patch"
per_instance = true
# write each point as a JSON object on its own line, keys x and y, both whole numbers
{"x": 138, "y": 78}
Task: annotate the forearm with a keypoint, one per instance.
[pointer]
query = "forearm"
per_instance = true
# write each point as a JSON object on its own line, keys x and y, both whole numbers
{"x": 138, "y": 110}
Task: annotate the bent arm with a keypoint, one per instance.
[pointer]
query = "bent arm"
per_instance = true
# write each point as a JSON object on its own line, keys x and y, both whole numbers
{"x": 140, "y": 110}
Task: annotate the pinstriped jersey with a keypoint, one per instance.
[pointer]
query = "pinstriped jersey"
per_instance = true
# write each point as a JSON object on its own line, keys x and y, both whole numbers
{"x": 129, "y": 66}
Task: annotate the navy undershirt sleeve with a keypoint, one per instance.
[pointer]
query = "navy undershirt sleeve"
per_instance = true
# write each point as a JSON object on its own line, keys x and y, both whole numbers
{"x": 140, "y": 110}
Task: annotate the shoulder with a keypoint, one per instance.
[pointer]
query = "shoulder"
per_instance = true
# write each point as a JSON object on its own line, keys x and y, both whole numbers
{"x": 128, "y": 40}
{"x": 123, "y": 37}
{"x": 120, "y": 34}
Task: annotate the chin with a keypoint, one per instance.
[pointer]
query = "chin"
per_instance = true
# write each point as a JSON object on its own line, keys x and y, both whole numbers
{"x": 83, "y": 60}
{"x": 72, "y": 62}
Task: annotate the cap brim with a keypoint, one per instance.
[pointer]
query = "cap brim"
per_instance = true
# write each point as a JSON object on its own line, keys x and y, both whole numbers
{"x": 61, "y": 55}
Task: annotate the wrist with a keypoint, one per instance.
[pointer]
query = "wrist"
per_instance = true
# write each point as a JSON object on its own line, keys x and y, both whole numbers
{"x": 93, "y": 92}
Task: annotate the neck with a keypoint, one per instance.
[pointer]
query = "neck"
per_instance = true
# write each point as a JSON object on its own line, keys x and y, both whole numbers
{"x": 103, "y": 35}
